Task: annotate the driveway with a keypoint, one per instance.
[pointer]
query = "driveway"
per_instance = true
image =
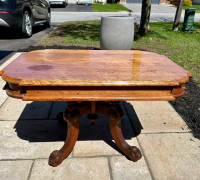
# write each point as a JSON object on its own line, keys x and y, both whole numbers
{"x": 12, "y": 40}
{"x": 72, "y": 8}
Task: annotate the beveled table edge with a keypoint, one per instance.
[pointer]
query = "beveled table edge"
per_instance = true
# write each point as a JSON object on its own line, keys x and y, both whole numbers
{"x": 20, "y": 82}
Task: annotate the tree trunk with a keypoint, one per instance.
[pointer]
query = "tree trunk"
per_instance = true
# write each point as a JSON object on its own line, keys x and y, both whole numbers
{"x": 145, "y": 16}
{"x": 178, "y": 15}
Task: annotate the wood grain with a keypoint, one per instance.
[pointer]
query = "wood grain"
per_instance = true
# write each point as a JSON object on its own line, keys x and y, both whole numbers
{"x": 94, "y": 68}
{"x": 90, "y": 75}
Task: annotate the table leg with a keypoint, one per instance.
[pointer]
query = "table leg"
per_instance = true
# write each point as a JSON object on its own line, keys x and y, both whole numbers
{"x": 72, "y": 120}
{"x": 72, "y": 115}
{"x": 114, "y": 115}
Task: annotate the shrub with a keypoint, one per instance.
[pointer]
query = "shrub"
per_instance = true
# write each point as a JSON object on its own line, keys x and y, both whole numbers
{"x": 187, "y": 3}
{"x": 175, "y": 2}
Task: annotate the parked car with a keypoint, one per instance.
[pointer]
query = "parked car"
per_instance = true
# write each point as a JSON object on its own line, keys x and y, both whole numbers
{"x": 24, "y": 14}
{"x": 58, "y": 2}
{"x": 85, "y": 2}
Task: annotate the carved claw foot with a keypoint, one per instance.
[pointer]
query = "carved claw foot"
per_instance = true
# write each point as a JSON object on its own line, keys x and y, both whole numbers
{"x": 115, "y": 114}
{"x": 71, "y": 116}
{"x": 55, "y": 158}
{"x": 134, "y": 154}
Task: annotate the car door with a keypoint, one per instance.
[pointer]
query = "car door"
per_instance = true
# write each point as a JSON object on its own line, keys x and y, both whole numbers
{"x": 44, "y": 8}
{"x": 39, "y": 9}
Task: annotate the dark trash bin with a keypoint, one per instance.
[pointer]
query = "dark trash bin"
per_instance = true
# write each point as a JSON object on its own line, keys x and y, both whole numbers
{"x": 188, "y": 24}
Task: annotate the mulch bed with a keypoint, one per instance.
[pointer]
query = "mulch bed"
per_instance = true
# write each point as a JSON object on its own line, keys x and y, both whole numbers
{"x": 188, "y": 106}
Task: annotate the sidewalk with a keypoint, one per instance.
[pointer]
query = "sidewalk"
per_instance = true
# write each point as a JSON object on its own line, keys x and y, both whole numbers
{"x": 159, "y": 13}
{"x": 155, "y": 8}
{"x": 59, "y": 17}
{"x": 29, "y": 132}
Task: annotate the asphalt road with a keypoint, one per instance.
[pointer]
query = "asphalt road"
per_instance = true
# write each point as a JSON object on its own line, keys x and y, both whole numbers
{"x": 72, "y": 8}
{"x": 11, "y": 40}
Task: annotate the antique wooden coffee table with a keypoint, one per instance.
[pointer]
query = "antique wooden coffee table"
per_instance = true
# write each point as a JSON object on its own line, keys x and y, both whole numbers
{"x": 93, "y": 82}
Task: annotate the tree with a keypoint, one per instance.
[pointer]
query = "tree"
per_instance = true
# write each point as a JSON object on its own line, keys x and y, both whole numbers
{"x": 178, "y": 15}
{"x": 145, "y": 16}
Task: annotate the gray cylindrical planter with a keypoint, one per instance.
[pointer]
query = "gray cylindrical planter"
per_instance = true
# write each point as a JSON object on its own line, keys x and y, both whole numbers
{"x": 117, "y": 32}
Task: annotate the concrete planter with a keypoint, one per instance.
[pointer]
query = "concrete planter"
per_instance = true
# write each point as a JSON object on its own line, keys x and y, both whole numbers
{"x": 117, "y": 32}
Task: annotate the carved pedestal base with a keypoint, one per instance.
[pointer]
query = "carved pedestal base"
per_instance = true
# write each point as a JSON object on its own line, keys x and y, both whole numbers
{"x": 72, "y": 115}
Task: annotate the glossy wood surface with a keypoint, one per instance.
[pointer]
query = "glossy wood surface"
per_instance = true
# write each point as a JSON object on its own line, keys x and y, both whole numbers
{"x": 84, "y": 76}
{"x": 90, "y": 75}
{"x": 93, "y": 68}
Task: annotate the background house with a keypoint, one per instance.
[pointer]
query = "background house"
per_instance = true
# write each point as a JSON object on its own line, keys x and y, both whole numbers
{"x": 195, "y": 1}
{"x": 140, "y": 1}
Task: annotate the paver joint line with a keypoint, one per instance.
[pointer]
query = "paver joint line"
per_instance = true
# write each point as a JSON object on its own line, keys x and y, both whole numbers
{"x": 145, "y": 159}
{"x": 110, "y": 169}
{"x": 29, "y": 175}
{"x": 189, "y": 132}
{"x": 78, "y": 157}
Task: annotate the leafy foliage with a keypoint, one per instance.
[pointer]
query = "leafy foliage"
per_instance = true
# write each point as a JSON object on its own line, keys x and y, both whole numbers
{"x": 187, "y": 3}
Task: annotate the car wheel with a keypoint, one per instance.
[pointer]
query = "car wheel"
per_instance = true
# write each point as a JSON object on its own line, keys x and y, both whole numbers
{"x": 48, "y": 23}
{"x": 65, "y": 4}
{"x": 27, "y": 24}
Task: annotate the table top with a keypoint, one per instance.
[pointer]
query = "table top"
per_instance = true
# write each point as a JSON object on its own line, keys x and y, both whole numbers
{"x": 93, "y": 68}
{"x": 94, "y": 75}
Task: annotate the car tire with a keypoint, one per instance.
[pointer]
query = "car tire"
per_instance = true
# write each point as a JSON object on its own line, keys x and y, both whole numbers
{"x": 48, "y": 23}
{"x": 27, "y": 24}
{"x": 65, "y": 4}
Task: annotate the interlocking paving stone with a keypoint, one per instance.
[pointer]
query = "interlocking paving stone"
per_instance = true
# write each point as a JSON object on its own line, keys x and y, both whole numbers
{"x": 158, "y": 116}
{"x": 152, "y": 105}
{"x": 93, "y": 148}
{"x": 123, "y": 169}
{"x": 73, "y": 169}
{"x": 97, "y": 139}
{"x": 14, "y": 109}
{"x": 172, "y": 155}
{"x": 30, "y": 139}
{"x": 98, "y": 148}
{"x": 3, "y": 95}
{"x": 12, "y": 170}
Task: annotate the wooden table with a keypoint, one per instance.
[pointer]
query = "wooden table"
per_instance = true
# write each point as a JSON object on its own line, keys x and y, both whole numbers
{"x": 93, "y": 82}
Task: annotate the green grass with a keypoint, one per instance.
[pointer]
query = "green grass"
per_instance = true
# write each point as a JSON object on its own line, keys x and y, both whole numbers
{"x": 197, "y": 7}
{"x": 74, "y": 34}
{"x": 181, "y": 47}
{"x": 108, "y": 8}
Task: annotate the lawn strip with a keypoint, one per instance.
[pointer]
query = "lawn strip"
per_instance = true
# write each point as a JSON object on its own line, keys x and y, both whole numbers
{"x": 108, "y": 8}
{"x": 197, "y": 7}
